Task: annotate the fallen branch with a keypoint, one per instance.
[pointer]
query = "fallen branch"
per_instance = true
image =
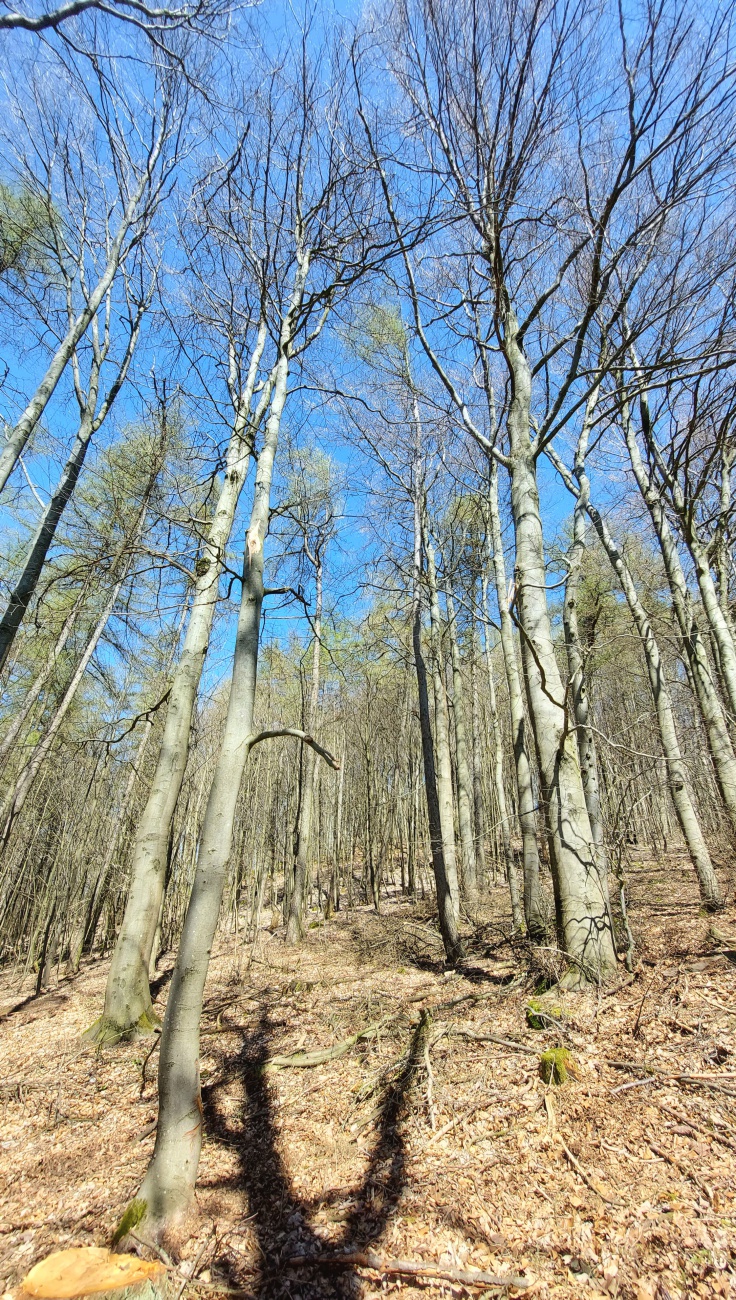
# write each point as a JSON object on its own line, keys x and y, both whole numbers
{"x": 692, "y": 1080}
{"x": 389, "y": 1267}
{"x": 256, "y": 737}
{"x": 305, "y": 1060}
{"x": 495, "y": 1038}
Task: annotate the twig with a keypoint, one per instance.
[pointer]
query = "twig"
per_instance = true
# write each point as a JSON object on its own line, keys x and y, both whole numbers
{"x": 593, "y": 1183}
{"x": 367, "y": 1259}
{"x": 495, "y": 1038}
{"x": 712, "y": 1002}
{"x": 687, "y": 1173}
{"x": 188, "y": 1280}
{"x": 697, "y": 1128}
{"x": 637, "y": 1083}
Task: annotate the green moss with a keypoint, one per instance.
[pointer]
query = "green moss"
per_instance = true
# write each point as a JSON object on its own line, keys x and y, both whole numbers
{"x": 538, "y": 1015}
{"x": 106, "y": 1033}
{"x": 130, "y": 1220}
{"x": 554, "y": 1065}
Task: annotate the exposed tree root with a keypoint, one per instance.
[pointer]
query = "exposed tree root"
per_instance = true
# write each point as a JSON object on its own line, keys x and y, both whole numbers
{"x": 106, "y": 1033}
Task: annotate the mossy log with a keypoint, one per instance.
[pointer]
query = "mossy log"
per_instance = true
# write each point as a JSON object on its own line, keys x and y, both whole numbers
{"x": 94, "y": 1271}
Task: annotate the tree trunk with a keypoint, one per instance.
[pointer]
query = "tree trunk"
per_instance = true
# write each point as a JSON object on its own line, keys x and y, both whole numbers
{"x": 716, "y": 727}
{"x": 583, "y": 915}
{"x": 676, "y": 771}
{"x": 517, "y": 912}
{"x": 464, "y": 784}
{"x": 168, "y": 1187}
{"x": 442, "y": 734}
{"x": 534, "y": 910}
{"x": 127, "y": 996}
{"x": 295, "y": 923}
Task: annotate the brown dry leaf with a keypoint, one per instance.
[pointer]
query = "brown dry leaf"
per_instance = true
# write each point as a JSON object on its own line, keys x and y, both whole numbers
{"x": 85, "y": 1270}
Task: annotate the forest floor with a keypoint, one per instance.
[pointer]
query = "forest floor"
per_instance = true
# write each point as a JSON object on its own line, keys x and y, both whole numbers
{"x": 427, "y": 1140}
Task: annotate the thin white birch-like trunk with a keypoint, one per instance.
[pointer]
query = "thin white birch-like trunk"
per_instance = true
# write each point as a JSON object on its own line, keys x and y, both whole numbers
{"x": 97, "y": 885}
{"x": 127, "y": 996}
{"x": 19, "y": 435}
{"x": 464, "y": 783}
{"x": 90, "y": 422}
{"x": 577, "y": 684}
{"x": 40, "y": 681}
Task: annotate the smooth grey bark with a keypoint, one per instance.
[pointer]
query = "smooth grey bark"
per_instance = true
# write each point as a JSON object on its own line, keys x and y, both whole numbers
{"x": 676, "y": 770}
{"x": 479, "y": 819}
{"x": 168, "y": 1187}
{"x": 442, "y": 733}
{"x": 19, "y": 435}
{"x": 464, "y": 783}
{"x": 534, "y": 909}
{"x": 517, "y": 911}
{"x": 577, "y": 684}
{"x": 91, "y": 420}
{"x": 706, "y": 693}
{"x": 446, "y": 906}
{"x": 582, "y": 908}
{"x": 127, "y": 995}
{"x": 295, "y": 922}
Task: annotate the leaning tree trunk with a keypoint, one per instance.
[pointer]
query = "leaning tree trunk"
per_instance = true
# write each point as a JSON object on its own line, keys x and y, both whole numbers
{"x": 676, "y": 770}
{"x": 295, "y": 923}
{"x": 464, "y": 783}
{"x": 128, "y": 995}
{"x": 534, "y": 909}
{"x": 168, "y": 1187}
{"x": 716, "y": 727}
{"x": 582, "y": 911}
{"x": 16, "y": 797}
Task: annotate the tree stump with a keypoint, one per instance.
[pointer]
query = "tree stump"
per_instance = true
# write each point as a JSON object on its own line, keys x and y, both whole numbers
{"x": 95, "y": 1271}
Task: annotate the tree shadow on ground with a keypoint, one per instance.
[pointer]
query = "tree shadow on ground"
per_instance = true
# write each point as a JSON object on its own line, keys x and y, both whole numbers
{"x": 279, "y": 1215}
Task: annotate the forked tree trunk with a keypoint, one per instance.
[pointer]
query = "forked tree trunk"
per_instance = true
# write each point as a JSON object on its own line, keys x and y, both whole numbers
{"x": 168, "y": 1187}
{"x": 582, "y": 911}
{"x": 534, "y": 910}
{"x": 128, "y": 996}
